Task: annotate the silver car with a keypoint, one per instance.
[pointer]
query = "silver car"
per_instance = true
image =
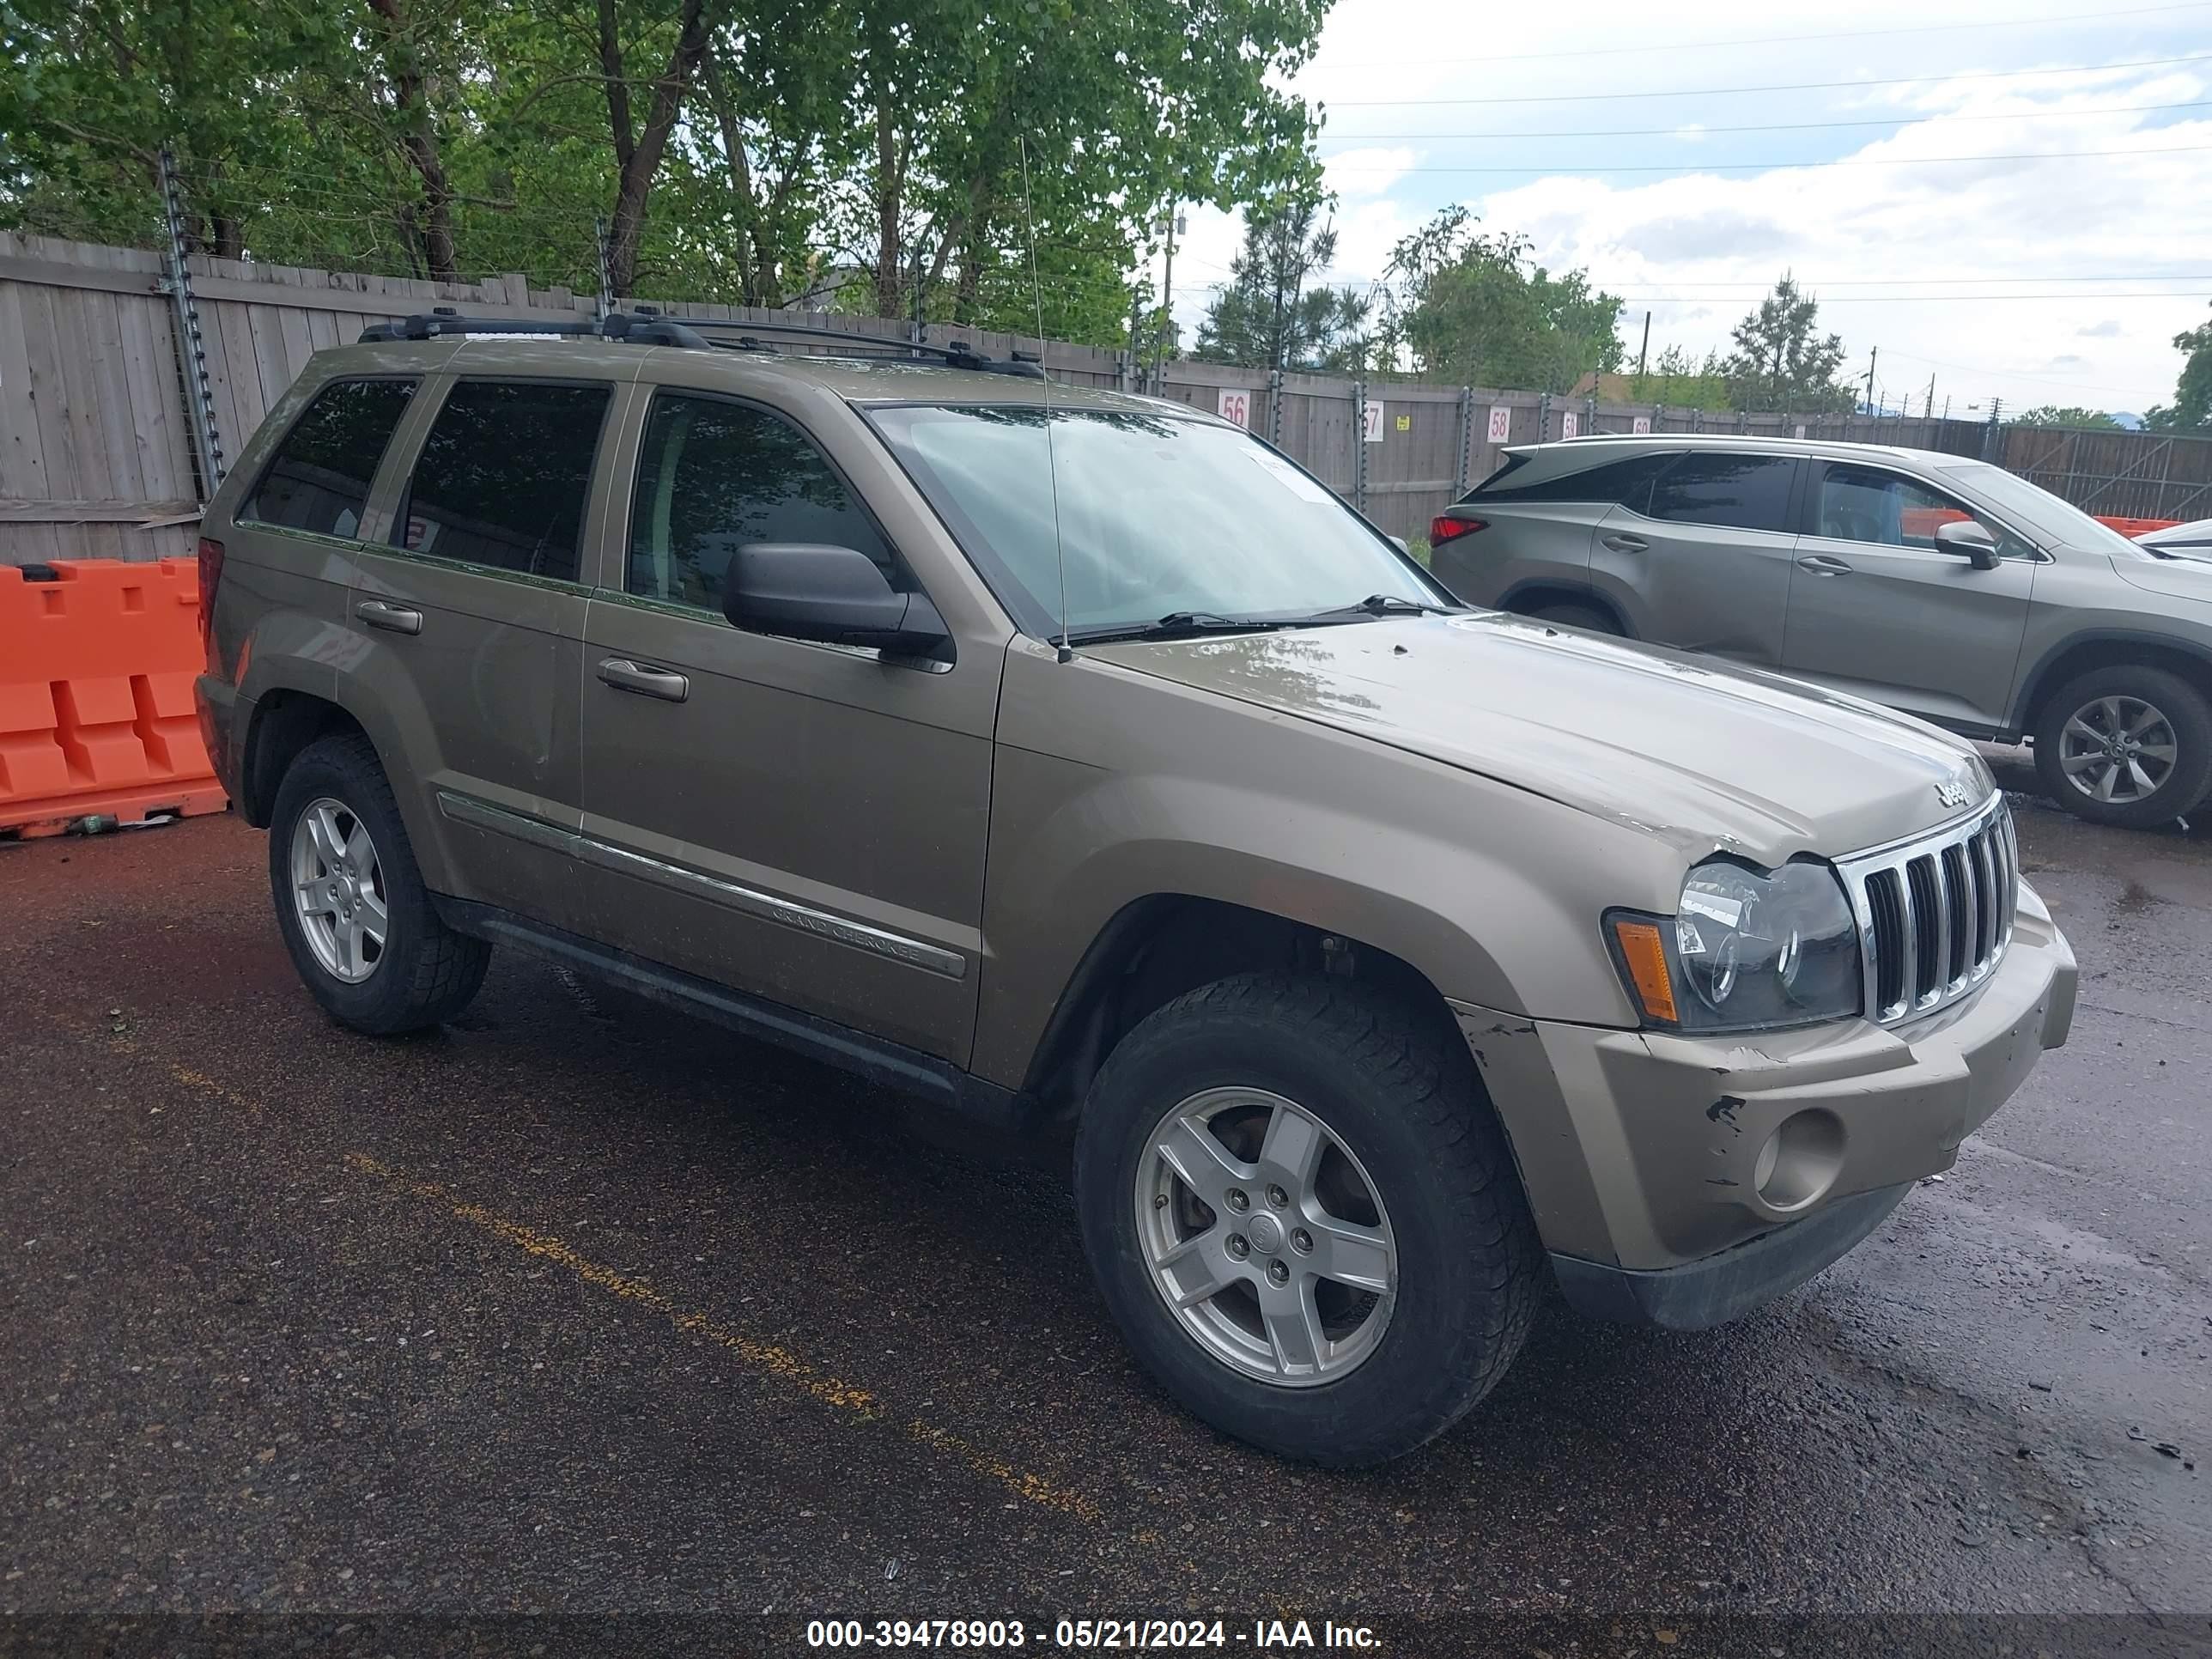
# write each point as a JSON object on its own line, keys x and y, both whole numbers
{"x": 2192, "y": 540}
{"x": 1943, "y": 586}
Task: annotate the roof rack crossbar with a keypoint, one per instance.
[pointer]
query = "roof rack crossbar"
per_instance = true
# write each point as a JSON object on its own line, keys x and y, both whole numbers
{"x": 958, "y": 354}
{"x": 648, "y": 327}
{"x": 615, "y": 326}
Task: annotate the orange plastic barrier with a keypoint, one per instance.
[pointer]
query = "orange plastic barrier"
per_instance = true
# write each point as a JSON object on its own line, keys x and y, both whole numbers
{"x": 2133, "y": 527}
{"x": 96, "y": 718}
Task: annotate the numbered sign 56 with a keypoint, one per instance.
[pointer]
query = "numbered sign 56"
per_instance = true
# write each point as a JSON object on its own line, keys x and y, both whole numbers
{"x": 1501, "y": 422}
{"x": 1236, "y": 406}
{"x": 1640, "y": 425}
{"x": 1374, "y": 418}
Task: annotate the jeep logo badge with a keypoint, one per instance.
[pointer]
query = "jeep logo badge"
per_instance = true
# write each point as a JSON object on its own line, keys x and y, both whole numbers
{"x": 1951, "y": 791}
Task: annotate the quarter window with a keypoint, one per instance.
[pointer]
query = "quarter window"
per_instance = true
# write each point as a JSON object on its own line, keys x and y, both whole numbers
{"x": 1626, "y": 482}
{"x": 1736, "y": 492}
{"x": 319, "y": 477}
{"x": 714, "y": 476}
{"x": 504, "y": 475}
{"x": 1864, "y": 504}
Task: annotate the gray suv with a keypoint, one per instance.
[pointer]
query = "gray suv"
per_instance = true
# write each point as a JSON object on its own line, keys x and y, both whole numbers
{"x": 1943, "y": 586}
{"x": 1078, "y": 766}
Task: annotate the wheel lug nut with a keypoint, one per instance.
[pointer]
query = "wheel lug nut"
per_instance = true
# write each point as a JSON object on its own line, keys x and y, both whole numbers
{"x": 1278, "y": 1273}
{"x": 1278, "y": 1198}
{"x": 1302, "y": 1240}
{"x": 1237, "y": 1247}
{"x": 1238, "y": 1200}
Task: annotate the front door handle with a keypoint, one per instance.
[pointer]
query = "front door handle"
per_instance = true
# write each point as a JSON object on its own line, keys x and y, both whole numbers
{"x": 1820, "y": 564}
{"x": 624, "y": 675}
{"x": 393, "y": 618}
{"x": 1627, "y": 542}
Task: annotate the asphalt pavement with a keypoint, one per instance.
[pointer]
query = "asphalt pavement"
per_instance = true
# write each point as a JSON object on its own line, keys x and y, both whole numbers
{"x": 578, "y": 1307}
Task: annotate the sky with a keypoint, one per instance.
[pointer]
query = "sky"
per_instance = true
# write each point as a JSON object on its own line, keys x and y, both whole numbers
{"x": 2012, "y": 201}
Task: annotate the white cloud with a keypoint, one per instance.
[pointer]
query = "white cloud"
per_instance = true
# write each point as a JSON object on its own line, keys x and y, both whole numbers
{"x": 1356, "y": 173}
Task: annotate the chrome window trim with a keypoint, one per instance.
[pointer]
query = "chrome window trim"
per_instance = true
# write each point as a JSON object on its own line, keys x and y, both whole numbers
{"x": 803, "y": 918}
{"x": 1987, "y": 844}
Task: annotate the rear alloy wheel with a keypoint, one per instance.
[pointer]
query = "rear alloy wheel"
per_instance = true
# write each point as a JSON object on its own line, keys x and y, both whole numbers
{"x": 361, "y": 926}
{"x": 1303, "y": 1215}
{"x": 2130, "y": 747}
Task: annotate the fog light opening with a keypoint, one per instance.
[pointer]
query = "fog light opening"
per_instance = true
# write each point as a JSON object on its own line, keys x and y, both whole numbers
{"x": 1800, "y": 1160}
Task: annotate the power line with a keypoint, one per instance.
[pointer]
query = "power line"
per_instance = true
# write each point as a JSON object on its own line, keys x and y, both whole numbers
{"x": 1922, "y": 299}
{"x": 1790, "y": 86}
{"x": 1761, "y": 286}
{"x": 1787, "y": 167}
{"x": 1688, "y": 129}
{"x": 1777, "y": 39}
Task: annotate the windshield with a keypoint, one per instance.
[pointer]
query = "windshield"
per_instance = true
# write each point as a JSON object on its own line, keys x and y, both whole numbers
{"x": 1156, "y": 516}
{"x": 2043, "y": 511}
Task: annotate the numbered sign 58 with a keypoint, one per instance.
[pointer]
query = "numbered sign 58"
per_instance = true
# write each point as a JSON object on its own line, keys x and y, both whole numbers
{"x": 1236, "y": 406}
{"x": 1374, "y": 417}
{"x": 1501, "y": 422}
{"x": 1640, "y": 425}
{"x": 1570, "y": 423}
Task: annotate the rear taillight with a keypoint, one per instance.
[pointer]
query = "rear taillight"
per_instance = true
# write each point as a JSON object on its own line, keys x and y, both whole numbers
{"x": 210, "y": 563}
{"x": 1450, "y": 527}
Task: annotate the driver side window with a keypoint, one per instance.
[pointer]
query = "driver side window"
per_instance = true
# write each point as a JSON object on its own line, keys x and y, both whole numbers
{"x": 1885, "y": 509}
{"x": 713, "y": 475}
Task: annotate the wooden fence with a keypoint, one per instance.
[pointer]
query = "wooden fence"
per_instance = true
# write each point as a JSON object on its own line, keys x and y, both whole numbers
{"x": 97, "y": 458}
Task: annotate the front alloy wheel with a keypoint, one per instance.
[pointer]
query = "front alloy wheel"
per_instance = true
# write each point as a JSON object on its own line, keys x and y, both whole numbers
{"x": 2118, "y": 750}
{"x": 1265, "y": 1237}
{"x": 338, "y": 890}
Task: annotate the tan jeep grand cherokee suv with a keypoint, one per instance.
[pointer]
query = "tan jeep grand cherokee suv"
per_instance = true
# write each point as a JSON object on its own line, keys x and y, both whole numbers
{"x": 1074, "y": 761}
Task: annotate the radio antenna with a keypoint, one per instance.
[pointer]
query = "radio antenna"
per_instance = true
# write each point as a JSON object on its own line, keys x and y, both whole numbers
{"x": 1051, "y": 469}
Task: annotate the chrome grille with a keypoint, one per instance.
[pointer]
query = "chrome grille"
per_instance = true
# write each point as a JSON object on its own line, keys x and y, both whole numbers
{"x": 1935, "y": 912}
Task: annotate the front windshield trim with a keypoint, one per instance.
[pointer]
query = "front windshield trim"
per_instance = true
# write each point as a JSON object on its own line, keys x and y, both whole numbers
{"x": 1037, "y": 620}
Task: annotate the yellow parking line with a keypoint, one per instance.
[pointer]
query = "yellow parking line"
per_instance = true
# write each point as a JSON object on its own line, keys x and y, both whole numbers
{"x": 777, "y": 1361}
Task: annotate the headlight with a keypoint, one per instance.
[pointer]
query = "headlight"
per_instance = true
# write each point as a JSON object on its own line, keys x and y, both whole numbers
{"x": 1744, "y": 951}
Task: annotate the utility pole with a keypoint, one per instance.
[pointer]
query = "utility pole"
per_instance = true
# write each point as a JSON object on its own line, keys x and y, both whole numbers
{"x": 1643, "y": 350}
{"x": 1928, "y": 413}
{"x": 1873, "y": 357}
{"x": 1167, "y": 304}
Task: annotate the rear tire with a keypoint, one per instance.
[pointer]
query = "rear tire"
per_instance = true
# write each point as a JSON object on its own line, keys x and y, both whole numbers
{"x": 1398, "y": 1102}
{"x": 2104, "y": 735}
{"x": 1566, "y": 613}
{"x": 336, "y": 829}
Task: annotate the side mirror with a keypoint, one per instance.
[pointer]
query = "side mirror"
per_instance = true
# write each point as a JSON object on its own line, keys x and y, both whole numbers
{"x": 830, "y": 595}
{"x": 1965, "y": 536}
{"x": 1398, "y": 542}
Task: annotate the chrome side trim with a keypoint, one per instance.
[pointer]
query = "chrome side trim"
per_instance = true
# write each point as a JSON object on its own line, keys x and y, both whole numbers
{"x": 803, "y": 918}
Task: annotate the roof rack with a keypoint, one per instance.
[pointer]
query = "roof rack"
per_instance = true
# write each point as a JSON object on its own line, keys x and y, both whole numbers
{"x": 646, "y": 326}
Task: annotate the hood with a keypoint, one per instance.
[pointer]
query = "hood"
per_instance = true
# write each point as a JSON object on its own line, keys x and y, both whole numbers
{"x": 2177, "y": 576}
{"x": 1703, "y": 754}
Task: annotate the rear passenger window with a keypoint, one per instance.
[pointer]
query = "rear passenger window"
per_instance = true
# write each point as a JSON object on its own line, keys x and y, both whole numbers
{"x": 504, "y": 475}
{"x": 1627, "y": 483}
{"x": 1737, "y": 492}
{"x": 319, "y": 478}
{"x": 713, "y": 475}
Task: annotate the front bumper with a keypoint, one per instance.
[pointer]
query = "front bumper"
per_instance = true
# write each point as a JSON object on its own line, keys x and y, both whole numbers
{"x": 1645, "y": 1153}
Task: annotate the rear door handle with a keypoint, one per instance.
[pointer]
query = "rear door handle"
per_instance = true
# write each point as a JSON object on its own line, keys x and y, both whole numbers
{"x": 624, "y": 675}
{"x": 1624, "y": 542}
{"x": 1820, "y": 564}
{"x": 393, "y": 618}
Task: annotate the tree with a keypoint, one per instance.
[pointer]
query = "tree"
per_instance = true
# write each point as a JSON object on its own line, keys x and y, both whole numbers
{"x": 2066, "y": 415}
{"x": 2191, "y": 409}
{"x": 1781, "y": 362}
{"x": 1678, "y": 380}
{"x": 1475, "y": 307}
{"x": 1265, "y": 317}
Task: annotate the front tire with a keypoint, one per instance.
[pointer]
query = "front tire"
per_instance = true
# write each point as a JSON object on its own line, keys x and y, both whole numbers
{"x": 351, "y": 903}
{"x": 1313, "y": 1174}
{"x": 2126, "y": 746}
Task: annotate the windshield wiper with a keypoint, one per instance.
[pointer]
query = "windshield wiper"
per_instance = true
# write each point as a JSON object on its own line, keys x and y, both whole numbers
{"x": 1379, "y": 604}
{"x": 1176, "y": 625}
